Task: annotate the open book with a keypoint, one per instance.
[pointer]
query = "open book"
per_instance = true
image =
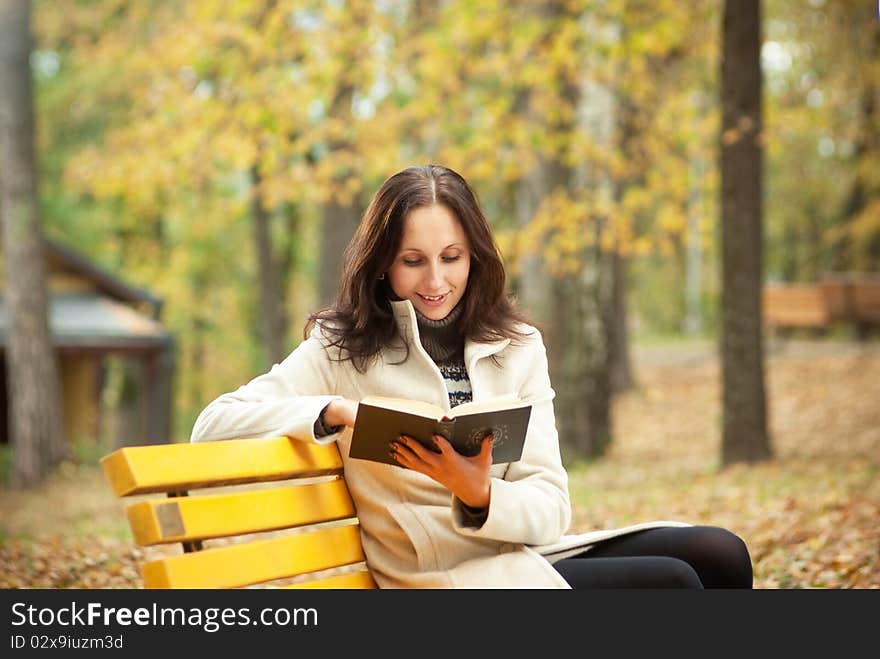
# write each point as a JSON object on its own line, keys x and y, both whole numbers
{"x": 573, "y": 544}
{"x": 382, "y": 420}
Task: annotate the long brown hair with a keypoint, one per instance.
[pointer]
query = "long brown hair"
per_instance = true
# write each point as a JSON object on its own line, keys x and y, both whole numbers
{"x": 361, "y": 322}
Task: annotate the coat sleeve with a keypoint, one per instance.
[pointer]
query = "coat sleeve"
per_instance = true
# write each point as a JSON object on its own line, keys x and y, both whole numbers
{"x": 285, "y": 401}
{"x": 531, "y": 504}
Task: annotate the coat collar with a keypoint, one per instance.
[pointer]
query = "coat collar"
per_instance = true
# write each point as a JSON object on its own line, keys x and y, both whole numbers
{"x": 405, "y": 316}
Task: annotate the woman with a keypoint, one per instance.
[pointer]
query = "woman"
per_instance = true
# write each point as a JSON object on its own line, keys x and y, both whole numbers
{"x": 422, "y": 313}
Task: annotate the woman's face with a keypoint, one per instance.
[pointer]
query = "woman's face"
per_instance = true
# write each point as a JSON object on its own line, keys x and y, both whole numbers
{"x": 431, "y": 267}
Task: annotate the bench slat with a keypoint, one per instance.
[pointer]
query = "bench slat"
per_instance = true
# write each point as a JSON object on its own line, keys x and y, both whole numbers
{"x": 257, "y": 562}
{"x": 219, "y": 515}
{"x": 175, "y": 467}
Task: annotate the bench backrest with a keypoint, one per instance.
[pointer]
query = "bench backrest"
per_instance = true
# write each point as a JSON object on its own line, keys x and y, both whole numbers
{"x": 275, "y": 511}
{"x": 795, "y": 305}
{"x": 853, "y": 297}
{"x": 866, "y": 300}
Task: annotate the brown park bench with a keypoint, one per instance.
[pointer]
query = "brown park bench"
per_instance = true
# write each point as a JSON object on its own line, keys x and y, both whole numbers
{"x": 866, "y": 301}
{"x": 796, "y": 305}
{"x": 838, "y": 298}
{"x": 276, "y": 512}
{"x": 853, "y": 298}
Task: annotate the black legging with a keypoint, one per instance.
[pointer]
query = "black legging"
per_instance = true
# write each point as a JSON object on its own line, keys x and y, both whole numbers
{"x": 669, "y": 557}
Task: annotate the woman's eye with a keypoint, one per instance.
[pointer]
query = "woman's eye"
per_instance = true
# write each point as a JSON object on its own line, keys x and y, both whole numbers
{"x": 412, "y": 263}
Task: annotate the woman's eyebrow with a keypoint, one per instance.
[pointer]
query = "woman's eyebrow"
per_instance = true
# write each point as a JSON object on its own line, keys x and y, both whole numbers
{"x": 416, "y": 249}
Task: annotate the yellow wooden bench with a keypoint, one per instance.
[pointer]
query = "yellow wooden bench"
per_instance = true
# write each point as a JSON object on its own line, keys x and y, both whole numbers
{"x": 246, "y": 512}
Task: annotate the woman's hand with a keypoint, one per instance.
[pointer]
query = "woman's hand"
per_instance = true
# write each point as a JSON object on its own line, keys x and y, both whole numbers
{"x": 341, "y": 412}
{"x": 467, "y": 478}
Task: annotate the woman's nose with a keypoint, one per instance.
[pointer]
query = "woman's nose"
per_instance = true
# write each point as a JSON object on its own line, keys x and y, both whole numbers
{"x": 435, "y": 277}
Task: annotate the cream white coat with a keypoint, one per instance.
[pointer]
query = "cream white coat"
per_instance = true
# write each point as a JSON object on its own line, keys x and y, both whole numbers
{"x": 413, "y": 531}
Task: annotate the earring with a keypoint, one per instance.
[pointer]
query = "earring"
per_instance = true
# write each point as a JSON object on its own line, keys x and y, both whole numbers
{"x": 382, "y": 276}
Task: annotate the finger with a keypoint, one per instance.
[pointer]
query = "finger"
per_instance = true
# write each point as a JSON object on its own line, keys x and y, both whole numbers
{"x": 394, "y": 453}
{"x": 415, "y": 447}
{"x": 406, "y": 457}
{"x": 442, "y": 443}
{"x": 486, "y": 448}
{"x": 401, "y": 455}
{"x": 400, "y": 447}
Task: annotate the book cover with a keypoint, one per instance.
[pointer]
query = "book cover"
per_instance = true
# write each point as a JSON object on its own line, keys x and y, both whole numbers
{"x": 380, "y": 421}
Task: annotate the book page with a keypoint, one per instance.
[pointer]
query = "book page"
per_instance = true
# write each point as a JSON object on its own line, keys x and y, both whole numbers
{"x": 506, "y": 402}
{"x": 406, "y": 405}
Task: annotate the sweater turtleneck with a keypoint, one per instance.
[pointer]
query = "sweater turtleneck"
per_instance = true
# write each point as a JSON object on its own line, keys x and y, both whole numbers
{"x": 442, "y": 339}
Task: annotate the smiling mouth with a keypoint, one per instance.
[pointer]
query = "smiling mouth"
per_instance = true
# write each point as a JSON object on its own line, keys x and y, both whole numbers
{"x": 432, "y": 298}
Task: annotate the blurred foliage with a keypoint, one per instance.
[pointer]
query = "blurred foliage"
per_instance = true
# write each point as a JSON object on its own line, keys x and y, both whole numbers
{"x": 159, "y": 121}
{"x": 822, "y": 100}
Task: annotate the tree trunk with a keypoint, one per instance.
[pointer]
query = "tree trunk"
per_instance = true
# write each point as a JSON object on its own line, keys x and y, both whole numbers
{"x": 744, "y": 437}
{"x": 621, "y": 377}
{"x": 693, "y": 323}
{"x": 340, "y": 217}
{"x": 339, "y": 224}
{"x": 531, "y": 284}
{"x": 35, "y": 423}
{"x": 628, "y": 125}
{"x": 273, "y": 301}
{"x": 579, "y": 345}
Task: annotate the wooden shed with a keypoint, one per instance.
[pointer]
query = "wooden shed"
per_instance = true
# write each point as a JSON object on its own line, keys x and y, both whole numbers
{"x": 97, "y": 320}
